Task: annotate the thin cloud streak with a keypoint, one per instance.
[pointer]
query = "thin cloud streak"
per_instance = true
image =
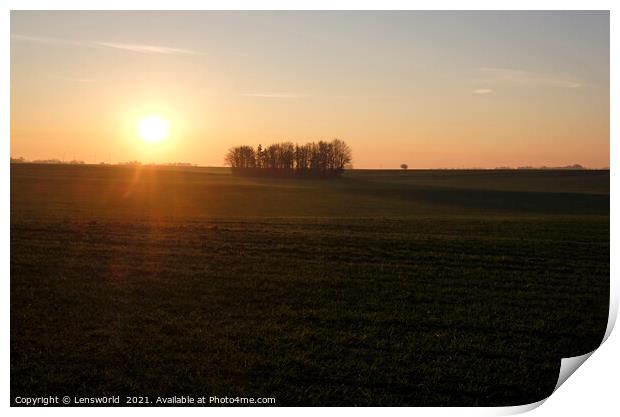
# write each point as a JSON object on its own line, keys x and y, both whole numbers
{"x": 514, "y": 76}
{"x": 148, "y": 49}
{"x": 483, "y": 91}
{"x": 138, "y": 48}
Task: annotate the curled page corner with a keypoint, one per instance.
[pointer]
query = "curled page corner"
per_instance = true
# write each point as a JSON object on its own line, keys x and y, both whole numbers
{"x": 519, "y": 409}
{"x": 613, "y": 310}
{"x": 569, "y": 366}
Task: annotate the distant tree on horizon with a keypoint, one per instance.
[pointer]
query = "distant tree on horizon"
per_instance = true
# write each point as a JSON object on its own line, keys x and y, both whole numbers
{"x": 260, "y": 156}
{"x": 404, "y": 166}
{"x": 241, "y": 157}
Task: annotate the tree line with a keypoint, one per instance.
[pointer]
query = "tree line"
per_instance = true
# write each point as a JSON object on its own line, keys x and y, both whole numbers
{"x": 286, "y": 158}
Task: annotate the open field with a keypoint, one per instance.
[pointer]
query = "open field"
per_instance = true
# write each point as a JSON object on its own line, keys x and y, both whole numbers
{"x": 379, "y": 288}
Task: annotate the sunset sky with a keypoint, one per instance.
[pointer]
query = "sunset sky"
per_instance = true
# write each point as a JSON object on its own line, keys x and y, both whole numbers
{"x": 430, "y": 89}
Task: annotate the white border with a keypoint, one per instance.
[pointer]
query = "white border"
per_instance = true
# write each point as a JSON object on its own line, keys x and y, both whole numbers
{"x": 592, "y": 390}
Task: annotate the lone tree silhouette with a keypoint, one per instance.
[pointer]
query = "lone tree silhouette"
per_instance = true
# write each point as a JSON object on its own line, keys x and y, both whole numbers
{"x": 241, "y": 157}
{"x": 404, "y": 166}
{"x": 322, "y": 159}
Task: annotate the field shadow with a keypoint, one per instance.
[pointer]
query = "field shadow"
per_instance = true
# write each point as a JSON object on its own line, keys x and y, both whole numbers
{"x": 485, "y": 200}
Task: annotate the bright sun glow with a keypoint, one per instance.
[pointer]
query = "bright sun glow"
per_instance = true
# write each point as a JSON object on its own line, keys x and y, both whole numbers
{"x": 153, "y": 128}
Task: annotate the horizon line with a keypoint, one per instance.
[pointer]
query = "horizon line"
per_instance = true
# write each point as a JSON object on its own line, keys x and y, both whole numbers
{"x": 53, "y": 161}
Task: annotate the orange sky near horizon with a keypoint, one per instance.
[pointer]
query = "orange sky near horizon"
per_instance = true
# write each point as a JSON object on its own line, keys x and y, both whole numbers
{"x": 430, "y": 89}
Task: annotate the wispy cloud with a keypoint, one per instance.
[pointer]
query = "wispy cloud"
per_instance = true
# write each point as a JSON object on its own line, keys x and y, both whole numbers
{"x": 148, "y": 49}
{"x": 483, "y": 91}
{"x": 516, "y": 76}
{"x": 131, "y": 47}
{"x": 273, "y": 95}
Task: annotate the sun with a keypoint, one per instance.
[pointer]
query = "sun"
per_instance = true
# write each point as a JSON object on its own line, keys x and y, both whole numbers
{"x": 153, "y": 128}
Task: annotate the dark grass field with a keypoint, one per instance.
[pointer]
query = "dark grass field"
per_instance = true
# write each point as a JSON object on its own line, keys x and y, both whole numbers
{"x": 380, "y": 288}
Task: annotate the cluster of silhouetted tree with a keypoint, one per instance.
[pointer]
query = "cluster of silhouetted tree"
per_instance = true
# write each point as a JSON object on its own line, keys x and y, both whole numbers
{"x": 323, "y": 159}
